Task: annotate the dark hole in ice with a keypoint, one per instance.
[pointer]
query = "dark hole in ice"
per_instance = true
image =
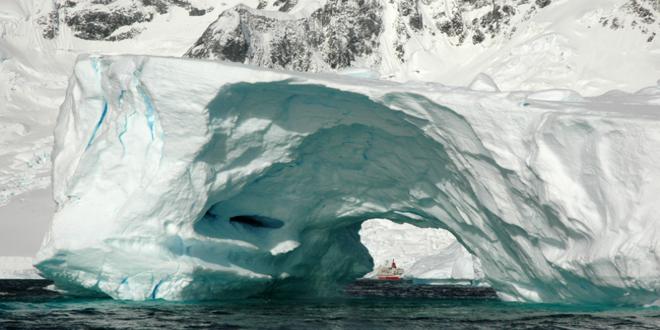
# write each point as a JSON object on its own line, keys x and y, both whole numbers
{"x": 257, "y": 221}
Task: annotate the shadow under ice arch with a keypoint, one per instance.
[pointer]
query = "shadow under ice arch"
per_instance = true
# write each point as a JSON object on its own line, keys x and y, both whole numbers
{"x": 355, "y": 159}
{"x": 261, "y": 187}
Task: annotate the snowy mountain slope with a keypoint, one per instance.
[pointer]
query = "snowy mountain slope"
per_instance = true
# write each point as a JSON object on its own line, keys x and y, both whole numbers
{"x": 111, "y": 20}
{"x": 523, "y": 44}
{"x": 333, "y": 37}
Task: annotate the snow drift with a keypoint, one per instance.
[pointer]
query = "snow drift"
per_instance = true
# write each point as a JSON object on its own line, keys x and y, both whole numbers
{"x": 182, "y": 179}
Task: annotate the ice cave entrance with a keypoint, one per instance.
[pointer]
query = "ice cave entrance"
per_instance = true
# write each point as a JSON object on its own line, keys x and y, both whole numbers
{"x": 427, "y": 255}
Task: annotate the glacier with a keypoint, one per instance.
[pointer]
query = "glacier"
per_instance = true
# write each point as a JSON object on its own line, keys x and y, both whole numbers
{"x": 186, "y": 179}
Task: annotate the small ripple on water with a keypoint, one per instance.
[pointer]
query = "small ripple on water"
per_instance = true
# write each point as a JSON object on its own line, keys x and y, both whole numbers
{"x": 318, "y": 314}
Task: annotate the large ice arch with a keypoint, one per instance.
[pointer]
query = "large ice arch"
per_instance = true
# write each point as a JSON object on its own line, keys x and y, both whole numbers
{"x": 178, "y": 179}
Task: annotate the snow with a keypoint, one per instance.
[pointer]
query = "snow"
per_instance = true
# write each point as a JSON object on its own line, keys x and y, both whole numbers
{"x": 563, "y": 46}
{"x": 454, "y": 263}
{"x": 17, "y": 268}
{"x": 284, "y": 247}
{"x": 556, "y": 197}
{"x": 482, "y": 82}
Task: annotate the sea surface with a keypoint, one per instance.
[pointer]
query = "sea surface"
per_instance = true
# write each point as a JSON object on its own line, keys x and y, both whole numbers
{"x": 36, "y": 310}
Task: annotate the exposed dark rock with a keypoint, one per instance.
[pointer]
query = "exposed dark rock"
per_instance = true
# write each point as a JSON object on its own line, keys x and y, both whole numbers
{"x": 235, "y": 50}
{"x": 478, "y": 37}
{"x": 334, "y": 36}
{"x": 453, "y": 27}
{"x": 339, "y": 32}
{"x": 344, "y": 30}
{"x": 161, "y": 6}
{"x": 198, "y": 12}
{"x": 543, "y": 3}
{"x": 50, "y": 24}
{"x": 400, "y": 52}
{"x": 290, "y": 53}
{"x": 645, "y": 13}
{"x": 96, "y": 25}
{"x": 124, "y": 35}
{"x": 604, "y": 21}
{"x": 498, "y": 21}
{"x": 410, "y": 10}
{"x": 285, "y": 5}
{"x": 350, "y": 29}
{"x": 508, "y": 10}
{"x": 492, "y": 21}
{"x": 408, "y": 22}
{"x": 99, "y": 19}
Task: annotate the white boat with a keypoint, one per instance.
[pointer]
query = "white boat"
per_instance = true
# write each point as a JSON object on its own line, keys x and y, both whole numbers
{"x": 389, "y": 273}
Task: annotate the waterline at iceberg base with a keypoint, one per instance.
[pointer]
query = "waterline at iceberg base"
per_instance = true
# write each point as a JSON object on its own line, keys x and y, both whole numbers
{"x": 182, "y": 179}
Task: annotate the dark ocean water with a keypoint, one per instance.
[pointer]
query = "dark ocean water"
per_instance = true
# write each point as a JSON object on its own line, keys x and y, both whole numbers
{"x": 37, "y": 310}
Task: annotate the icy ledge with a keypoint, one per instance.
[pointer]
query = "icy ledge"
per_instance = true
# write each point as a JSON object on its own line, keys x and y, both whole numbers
{"x": 179, "y": 179}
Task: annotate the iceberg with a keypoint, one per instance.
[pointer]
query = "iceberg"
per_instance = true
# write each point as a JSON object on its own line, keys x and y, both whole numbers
{"x": 184, "y": 179}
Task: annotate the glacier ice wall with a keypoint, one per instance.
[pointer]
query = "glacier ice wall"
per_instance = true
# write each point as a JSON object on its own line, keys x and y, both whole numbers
{"x": 181, "y": 179}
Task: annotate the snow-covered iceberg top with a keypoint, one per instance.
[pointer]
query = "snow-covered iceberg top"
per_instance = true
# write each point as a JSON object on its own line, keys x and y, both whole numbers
{"x": 183, "y": 179}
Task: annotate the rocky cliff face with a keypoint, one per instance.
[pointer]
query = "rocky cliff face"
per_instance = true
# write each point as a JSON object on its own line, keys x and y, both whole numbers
{"x": 109, "y": 20}
{"x": 345, "y": 32}
{"x": 641, "y": 15}
{"x": 333, "y": 35}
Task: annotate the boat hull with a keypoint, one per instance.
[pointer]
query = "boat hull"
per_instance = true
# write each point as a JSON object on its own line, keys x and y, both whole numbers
{"x": 389, "y": 278}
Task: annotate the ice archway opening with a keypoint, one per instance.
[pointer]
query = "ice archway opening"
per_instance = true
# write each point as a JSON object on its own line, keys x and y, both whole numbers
{"x": 347, "y": 159}
{"x": 426, "y": 255}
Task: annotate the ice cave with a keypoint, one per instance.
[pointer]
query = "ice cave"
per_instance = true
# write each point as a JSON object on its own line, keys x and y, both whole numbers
{"x": 184, "y": 179}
